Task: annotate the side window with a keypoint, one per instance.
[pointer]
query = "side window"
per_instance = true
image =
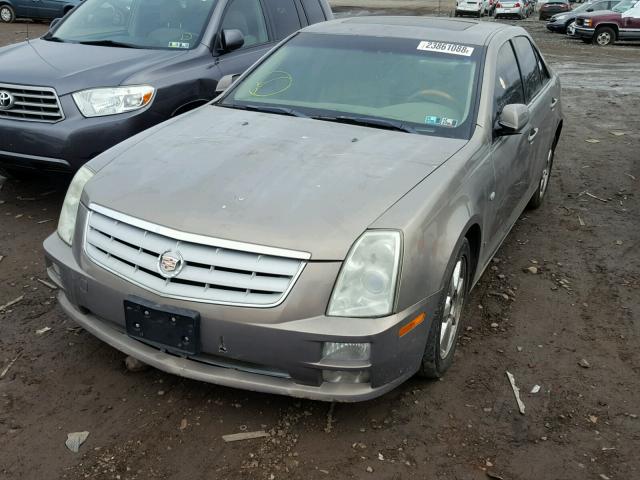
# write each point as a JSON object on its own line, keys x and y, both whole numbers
{"x": 246, "y": 16}
{"x": 508, "y": 88}
{"x": 529, "y": 68}
{"x": 542, "y": 68}
{"x": 314, "y": 11}
{"x": 285, "y": 17}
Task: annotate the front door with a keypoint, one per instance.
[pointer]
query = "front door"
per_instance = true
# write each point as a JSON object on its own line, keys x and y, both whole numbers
{"x": 509, "y": 152}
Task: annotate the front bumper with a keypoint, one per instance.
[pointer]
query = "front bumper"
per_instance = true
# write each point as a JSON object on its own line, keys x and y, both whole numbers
{"x": 272, "y": 350}
{"x": 584, "y": 32}
{"x": 557, "y": 26}
{"x": 509, "y": 11}
{"x": 69, "y": 143}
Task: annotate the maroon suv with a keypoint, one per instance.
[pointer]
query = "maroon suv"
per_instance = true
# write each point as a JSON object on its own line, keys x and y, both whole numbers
{"x": 604, "y": 28}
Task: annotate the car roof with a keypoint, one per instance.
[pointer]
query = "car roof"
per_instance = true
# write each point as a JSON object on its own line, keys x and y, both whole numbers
{"x": 426, "y": 28}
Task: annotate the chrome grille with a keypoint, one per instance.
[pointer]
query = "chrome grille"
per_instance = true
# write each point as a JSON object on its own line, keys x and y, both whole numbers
{"x": 33, "y": 104}
{"x": 212, "y": 272}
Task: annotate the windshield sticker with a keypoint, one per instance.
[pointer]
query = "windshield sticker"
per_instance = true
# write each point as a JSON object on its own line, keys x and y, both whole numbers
{"x": 179, "y": 45}
{"x": 441, "y": 121}
{"x": 441, "y": 47}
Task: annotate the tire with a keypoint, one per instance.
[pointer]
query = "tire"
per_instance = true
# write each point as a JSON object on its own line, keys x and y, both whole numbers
{"x": 604, "y": 36}
{"x": 7, "y": 14}
{"x": 439, "y": 351}
{"x": 543, "y": 182}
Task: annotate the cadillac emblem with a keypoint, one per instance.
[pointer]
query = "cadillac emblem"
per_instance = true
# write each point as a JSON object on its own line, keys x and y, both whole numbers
{"x": 170, "y": 263}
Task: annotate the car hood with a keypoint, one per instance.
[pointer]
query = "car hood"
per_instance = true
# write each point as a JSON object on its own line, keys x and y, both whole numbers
{"x": 69, "y": 67}
{"x": 273, "y": 180}
{"x": 602, "y": 15}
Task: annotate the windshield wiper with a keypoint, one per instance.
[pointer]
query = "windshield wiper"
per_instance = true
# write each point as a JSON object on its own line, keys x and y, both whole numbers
{"x": 266, "y": 109}
{"x": 52, "y": 38}
{"x": 109, "y": 43}
{"x": 369, "y": 122}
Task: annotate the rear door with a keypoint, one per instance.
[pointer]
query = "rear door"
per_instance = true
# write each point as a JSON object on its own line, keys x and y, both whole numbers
{"x": 284, "y": 17}
{"x": 313, "y": 11}
{"x": 542, "y": 101}
{"x": 48, "y": 9}
{"x": 249, "y": 17}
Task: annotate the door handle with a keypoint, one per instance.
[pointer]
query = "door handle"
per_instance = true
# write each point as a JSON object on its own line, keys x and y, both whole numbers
{"x": 532, "y": 134}
{"x": 554, "y": 102}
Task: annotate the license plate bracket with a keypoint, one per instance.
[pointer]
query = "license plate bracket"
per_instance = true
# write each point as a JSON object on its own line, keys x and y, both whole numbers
{"x": 169, "y": 328}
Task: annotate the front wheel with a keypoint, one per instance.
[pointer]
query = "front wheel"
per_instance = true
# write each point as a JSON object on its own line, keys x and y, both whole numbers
{"x": 7, "y": 15}
{"x": 543, "y": 182}
{"x": 604, "y": 36}
{"x": 445, "y": 326}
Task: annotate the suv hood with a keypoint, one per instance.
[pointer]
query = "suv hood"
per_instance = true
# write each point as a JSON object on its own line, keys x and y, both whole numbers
{"x": 602, "y": 14}
{"x": 69, "y": 67}
{"x": 273, "y": 180}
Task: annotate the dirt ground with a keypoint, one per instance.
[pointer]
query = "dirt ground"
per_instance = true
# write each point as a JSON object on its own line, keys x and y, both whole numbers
{"x": 582, "y": 305}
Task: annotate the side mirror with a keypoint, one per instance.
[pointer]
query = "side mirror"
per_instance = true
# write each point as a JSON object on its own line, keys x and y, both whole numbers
{"x": 513, "y": 119}
{"x": 232, "y": 40}
{"x": 589, "y": 9}
{"x": 53, "y": 23}
{"x": 225, "y": 82}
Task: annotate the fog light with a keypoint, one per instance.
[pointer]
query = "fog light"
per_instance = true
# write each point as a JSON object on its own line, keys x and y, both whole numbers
{"x": 339, "y": 376}
{"x": 346, "y": 351}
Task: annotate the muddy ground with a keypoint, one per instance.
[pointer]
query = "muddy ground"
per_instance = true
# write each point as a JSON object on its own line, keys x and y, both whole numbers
{"x": 583, "y": 304}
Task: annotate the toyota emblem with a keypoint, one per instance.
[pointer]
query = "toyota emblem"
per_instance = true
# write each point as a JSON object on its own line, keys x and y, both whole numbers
{"x": 170, "y": 264}
{"x": 6, "y": 100}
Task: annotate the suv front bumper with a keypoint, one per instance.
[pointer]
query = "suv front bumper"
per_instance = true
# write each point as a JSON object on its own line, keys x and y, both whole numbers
{"x": 272, "y": 350}
{"x": 70, "y": 143}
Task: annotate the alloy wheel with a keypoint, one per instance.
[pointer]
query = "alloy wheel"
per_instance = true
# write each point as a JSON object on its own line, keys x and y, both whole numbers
{"x": 453, "y": 307}
{"x": 5, "y": 14}
{"x": 544, "y": 179}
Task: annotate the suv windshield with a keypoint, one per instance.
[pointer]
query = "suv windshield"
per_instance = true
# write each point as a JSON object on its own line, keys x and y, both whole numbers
{"x": 165, "y": 24}
{"x": 417, "y": 86}
{"x": 624, "y": 6}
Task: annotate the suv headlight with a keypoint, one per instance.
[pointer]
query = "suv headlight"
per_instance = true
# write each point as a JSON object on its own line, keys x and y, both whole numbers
{"x": 98, "y": 102}
{"x": 67, "y": 222}
{"x": 366, "y": 284}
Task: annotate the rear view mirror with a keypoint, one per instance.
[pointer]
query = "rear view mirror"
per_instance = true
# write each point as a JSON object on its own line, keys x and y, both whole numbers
{"x": 225, "y": 82}
{"x": 232, "y": 40}
{"x": 53, "y": 23}
{"x": 513, "y": 119}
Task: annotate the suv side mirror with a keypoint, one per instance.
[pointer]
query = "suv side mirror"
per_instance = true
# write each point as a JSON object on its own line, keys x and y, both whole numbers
{"x": 54, "y": 22}
{"x": 225, "y": 82}
{"x": 232, "y": 40}
{"x": 589, "y": 9}
{"x": 513, "y": 119}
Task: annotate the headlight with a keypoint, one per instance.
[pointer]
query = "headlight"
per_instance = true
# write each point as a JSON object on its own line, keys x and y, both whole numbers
{"x": 561, "y": 17}
{"x": 98, "y": 102}
{"x": 67, "y": 222}
{"x": 366, "y": 284}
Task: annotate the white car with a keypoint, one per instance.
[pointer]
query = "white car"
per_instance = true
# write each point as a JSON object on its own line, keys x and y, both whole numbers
{"x": 477, "y": 8}
{"x": 512, "y": 8}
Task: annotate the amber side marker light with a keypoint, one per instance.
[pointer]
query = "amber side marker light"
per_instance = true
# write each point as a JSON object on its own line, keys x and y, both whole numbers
{"x": 412, "y": 324}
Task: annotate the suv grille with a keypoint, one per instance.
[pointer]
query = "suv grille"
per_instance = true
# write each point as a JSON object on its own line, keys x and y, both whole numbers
{"x": 132, "y": 249}
{"x": 34, "y": 104}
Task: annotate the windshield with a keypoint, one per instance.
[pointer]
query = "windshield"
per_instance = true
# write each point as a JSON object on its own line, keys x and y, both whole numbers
{"x": 164, "y": 24}
{"x": 624, "y": 6}
{"x": 413, "y": 85}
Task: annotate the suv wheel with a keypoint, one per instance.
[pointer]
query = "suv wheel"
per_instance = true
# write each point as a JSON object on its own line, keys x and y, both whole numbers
{"x": 7, "y": 15}
{"x": 604, "y": 36}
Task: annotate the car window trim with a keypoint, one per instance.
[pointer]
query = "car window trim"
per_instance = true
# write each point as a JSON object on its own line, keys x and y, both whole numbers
{"x": 515, "y": 52}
